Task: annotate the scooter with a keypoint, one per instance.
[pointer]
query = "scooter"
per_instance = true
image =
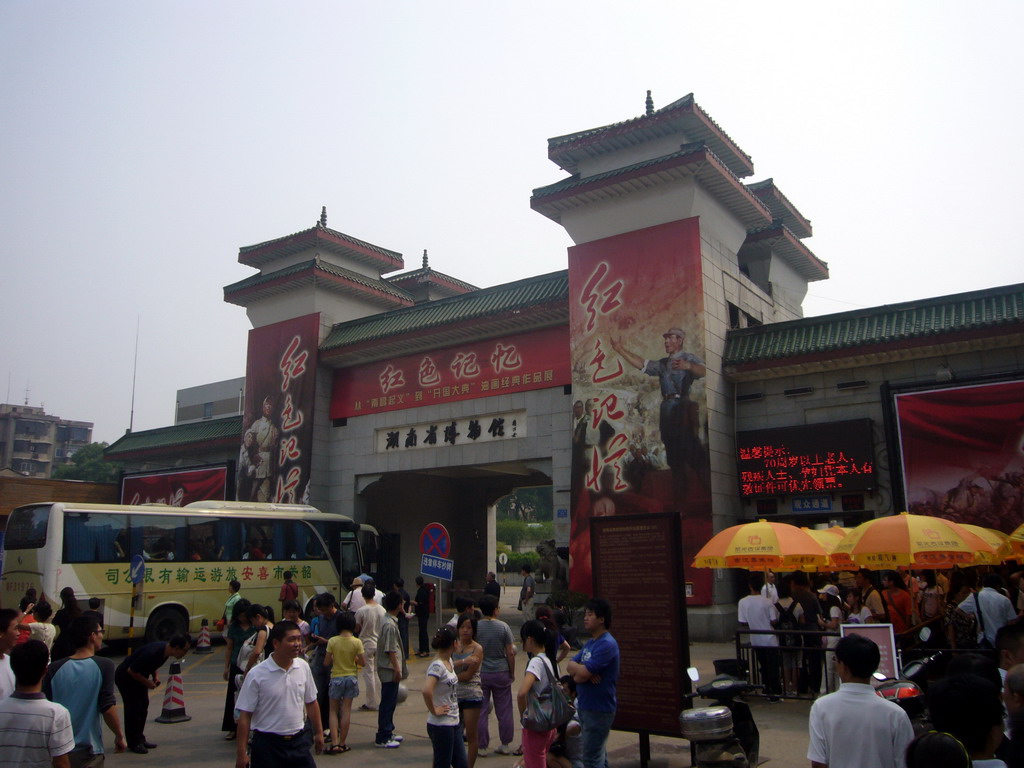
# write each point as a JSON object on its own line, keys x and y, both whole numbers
{"x": 910, "y": 691}
{"x": 725, "y": 734}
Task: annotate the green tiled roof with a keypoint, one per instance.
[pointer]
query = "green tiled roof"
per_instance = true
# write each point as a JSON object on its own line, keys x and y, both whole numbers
{"x": 307, "y": 237}
{"x": 431, "y": 274}
{"x": 893, "y": 323}
{"x": 575, "y": 181}
{"x": 324, "y": 266}
{"x": 214, "y": 430}
{"x": 485, "y": 302}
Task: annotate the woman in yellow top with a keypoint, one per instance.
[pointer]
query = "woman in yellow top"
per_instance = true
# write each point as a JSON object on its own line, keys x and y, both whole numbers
{"x": 344, "y": 657}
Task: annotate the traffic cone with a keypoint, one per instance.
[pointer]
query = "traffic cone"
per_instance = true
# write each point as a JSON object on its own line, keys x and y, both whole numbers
{"x": 174, "y": 698}
{"x": 203, "y": 645}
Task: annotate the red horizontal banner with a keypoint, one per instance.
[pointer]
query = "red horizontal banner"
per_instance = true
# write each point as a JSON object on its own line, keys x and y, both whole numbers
{"x": 516, "y": 363}
{"x": 175, "y": 488}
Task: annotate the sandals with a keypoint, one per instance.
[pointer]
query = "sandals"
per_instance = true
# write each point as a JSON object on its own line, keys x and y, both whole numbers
{"x": 338, "y": 749}
{"x": 518, "y": 751}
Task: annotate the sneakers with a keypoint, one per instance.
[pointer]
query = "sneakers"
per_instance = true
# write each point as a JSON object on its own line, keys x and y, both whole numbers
{"x": 397, "y": 737}
{"x": 483, "y": 752}
{"x": 502, "y": 750}
{"x": 389, "y": 744}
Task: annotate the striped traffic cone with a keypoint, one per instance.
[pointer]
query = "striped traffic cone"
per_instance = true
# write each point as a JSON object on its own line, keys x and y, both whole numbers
{"x": 174, "y": 698}
{"x": 203, "y": 645}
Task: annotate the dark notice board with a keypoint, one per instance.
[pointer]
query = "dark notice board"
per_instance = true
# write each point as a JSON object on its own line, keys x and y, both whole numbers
{"x": 638, "y": 568}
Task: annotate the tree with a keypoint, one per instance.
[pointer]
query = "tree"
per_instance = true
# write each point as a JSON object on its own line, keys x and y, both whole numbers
{"x": 87, "y": 464}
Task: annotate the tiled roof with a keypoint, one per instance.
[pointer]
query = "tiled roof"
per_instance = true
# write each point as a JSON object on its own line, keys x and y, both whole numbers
{"x": 482, "y": 303}
{"x": 431, "y": 275}
{"x": 683, "y": 115}
{"x": 782, "y": 241}
{"x": 214, "y": 432}
{"x": 288, "y": 278}
{"x": 850, "y": 332}
{"x": 781, "y": 207}
{"x": 324, "y": 237}
{"x": 692, "y": 160}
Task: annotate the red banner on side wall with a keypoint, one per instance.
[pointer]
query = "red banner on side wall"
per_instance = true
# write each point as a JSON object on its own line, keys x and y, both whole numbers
{"x": 176, "y": 488}
{"x": 636, "y": 319}
{"x": 277, "y": 433}
{"x": 963, "y": 453}
{"x": 515, "y": 363}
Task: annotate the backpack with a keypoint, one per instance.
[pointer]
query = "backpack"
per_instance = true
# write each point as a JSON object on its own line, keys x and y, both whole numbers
{"x": 787, "y": 620}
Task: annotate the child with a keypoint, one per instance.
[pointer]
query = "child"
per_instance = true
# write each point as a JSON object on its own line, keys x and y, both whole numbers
{"x": 34, "y": 731}
{"x": 41, "y": 629}
{"x": 290, "y": 610}
{"x": 344, "y": 657}
{"x": 567, "y": 749}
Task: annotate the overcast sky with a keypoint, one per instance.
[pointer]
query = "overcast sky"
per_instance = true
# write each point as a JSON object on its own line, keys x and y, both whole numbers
{"x": 141, "y": 144}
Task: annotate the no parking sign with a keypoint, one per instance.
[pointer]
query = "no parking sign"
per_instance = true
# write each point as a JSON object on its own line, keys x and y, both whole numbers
{"x": 435, "y": 546}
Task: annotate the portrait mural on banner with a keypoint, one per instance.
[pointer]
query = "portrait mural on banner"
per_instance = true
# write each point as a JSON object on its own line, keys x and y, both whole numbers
{"x": 639, "y": 418}
{"x": 277, "y": 428}
{"x": 963, "y": 453}
{"x": 177, "y": 488}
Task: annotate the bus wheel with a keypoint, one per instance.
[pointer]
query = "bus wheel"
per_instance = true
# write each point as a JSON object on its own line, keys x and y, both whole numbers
{"x": 165, "y": 623}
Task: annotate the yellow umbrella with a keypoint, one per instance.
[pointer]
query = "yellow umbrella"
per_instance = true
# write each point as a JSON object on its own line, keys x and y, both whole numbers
{"x": 827, "y": 537}
{"x": 1016, "y": 540}
{"x": 1002, "y": 549}
{"x": 762, "y": 545}
{"x": 916, "y": 541}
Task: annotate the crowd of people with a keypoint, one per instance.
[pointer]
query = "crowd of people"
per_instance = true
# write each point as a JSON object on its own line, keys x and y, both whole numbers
{"x": 291, "y": 686}
{"x": 793, "y": 624}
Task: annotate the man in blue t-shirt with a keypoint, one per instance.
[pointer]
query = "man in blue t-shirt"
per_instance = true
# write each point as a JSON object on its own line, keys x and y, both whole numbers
{"x": 596, "y": 672}
{"x": 84, "y": 683}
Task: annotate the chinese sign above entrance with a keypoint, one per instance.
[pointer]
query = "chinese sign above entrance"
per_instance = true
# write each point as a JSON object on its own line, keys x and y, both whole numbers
{"x": 442, "y": 434}
{"x": 516, "y": 363}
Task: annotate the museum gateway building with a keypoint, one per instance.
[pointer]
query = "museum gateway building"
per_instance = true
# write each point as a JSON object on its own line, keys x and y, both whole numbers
{"x": 666, "y": 369}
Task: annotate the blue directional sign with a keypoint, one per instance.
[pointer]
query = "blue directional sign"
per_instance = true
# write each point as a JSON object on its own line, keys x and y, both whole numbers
{"x": 437, "y": 567}
{"x": 137, "y": 569}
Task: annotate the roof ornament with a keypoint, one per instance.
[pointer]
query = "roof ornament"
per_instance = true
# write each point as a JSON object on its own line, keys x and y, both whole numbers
{"x": 650, "y": 104}
{"x": 425, "y": 266}
{"x": 323, "y": 215}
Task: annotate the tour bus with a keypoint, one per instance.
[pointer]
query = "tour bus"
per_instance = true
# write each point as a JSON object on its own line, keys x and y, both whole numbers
{"x": 190, "y": 555}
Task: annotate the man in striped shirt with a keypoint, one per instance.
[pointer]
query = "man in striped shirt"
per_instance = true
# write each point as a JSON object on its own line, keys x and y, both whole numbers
{"x": 34, "y": 732}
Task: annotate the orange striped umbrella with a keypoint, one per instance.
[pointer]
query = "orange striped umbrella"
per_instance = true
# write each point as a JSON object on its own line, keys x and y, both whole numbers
{"x": 916, "y": 541}
{"x": 762, "y": 545}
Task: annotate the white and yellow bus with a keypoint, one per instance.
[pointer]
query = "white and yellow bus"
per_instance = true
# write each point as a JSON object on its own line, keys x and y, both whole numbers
{"x": 191, "y": 554}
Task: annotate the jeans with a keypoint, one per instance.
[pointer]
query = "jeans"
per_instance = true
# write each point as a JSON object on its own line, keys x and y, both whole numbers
{"x": 768, "y": 662}
{"x": 449, "y": 751}
{"x": 386, "y": 712}
{"x": 499, "y": 686}
{"x": 596, "y": 726}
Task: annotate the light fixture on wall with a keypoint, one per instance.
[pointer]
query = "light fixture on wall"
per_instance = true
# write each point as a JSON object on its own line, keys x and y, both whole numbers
{"x": 943, "y": 373}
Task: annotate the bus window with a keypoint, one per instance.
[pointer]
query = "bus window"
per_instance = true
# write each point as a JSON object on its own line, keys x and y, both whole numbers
{"x": 95, "y": 537}
{"x": 26, "y": 527}
{"x": 202, "y": 539}
{"x": 307, "y": 543}
{"x": 160, "y": 538}
{"x": 257, "y": 543}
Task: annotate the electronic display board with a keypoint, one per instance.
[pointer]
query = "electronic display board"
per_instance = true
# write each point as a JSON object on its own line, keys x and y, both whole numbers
{"x": 817, "y": 458}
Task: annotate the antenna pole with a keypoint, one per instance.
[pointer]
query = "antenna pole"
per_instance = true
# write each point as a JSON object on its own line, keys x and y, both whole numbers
{"x": 135, "y": 369}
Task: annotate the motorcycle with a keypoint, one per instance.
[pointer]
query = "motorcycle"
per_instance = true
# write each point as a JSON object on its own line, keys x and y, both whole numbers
{"x": 724, "y": 734}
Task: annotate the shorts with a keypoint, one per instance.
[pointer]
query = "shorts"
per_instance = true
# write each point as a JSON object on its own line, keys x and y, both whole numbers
{"x": 346, "y": 687}
{"x": 470, "y": 704}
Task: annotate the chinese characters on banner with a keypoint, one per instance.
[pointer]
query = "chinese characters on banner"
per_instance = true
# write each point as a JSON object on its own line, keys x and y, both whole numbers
{"x": 639, "y": 439}
{"x": 819, "y": 458}
{"x": 280, "y": 385}
{"x": 176, "y": 489}
{"x": 477, "y": 429}
{"x": 174, "y": 573}
{"x": 516, "y": 363}
{"x": 962, "y": 450}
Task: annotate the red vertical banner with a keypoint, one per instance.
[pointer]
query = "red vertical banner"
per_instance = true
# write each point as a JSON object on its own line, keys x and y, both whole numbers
{"x": 639, "y": 439}
{"x": 277, "y": 433}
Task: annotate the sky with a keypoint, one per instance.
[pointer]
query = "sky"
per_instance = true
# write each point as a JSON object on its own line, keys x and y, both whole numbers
{"x": 142, "y": 144}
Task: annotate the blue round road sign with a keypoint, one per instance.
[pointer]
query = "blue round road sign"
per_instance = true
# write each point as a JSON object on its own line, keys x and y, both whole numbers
{"x": 435, "y": 541}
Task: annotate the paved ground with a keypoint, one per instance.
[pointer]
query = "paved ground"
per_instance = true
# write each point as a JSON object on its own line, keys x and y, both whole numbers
{"x": 200, "y": 743}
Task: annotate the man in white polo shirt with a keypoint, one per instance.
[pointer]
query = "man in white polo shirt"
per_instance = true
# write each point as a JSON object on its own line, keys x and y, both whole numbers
{"x": 758, "y": 613}
{"x": 276, "y": 697}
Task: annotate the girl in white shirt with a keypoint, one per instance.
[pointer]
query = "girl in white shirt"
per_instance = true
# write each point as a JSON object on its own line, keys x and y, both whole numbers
{"x": 441, "y": 697}
{"x": 537, "y": 641}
